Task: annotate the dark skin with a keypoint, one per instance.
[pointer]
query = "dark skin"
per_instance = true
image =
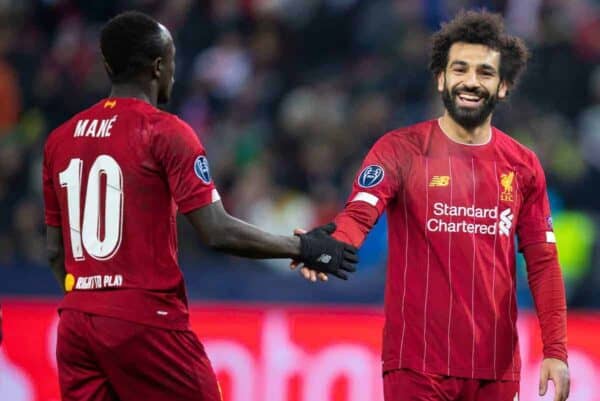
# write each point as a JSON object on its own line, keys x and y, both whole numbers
{"x": 56, "y": 254}
{"x": 215, "y": 227}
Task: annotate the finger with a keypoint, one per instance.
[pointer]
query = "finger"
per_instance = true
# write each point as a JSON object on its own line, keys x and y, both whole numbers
{"x": 294, "y": 264}
{"x": 543, "y": 381}
{"x": 313, "y": 276}
{"x": 564, "y": 386}
{"x": 350, "y": 248}
{"x": 349, "y": 267}
{"x": 340, "y": 274}
{"x": 558, "y": 389}
{"x": 299, "y": 231}
{"x": 305, "y": 272}
{"x": 329, "y": 228}
{"x": 323, "y": 277}
{"x": 350, "y": 257}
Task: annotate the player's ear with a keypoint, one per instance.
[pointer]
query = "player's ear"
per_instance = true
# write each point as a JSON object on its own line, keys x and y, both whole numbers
{"x": 502, "y": 90}
{"x": 441, "y": 81}
{"x": 158, "y": 66}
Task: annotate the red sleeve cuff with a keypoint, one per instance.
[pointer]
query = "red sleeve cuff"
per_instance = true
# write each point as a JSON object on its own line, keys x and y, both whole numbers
{"x": 560, "y": 355}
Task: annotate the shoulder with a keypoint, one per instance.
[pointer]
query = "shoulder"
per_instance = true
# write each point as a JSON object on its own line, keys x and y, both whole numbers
{"x": 170, "y": 135}
{"x": 168, "y": 126}
{"x": 515, "y": 150}
{"x": 167, "y": 122}
{"x": 56, "y": 137}
{"x": 409, "y": 139}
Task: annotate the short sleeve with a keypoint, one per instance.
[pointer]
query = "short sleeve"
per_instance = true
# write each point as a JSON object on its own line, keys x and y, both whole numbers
{"x": 379, "y": 176}
{"x": 51, "y": 206}
{"x": 177, "y": 149}
{"x": 535, "y": 221}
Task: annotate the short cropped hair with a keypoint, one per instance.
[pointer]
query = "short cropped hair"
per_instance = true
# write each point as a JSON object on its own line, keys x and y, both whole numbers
{"x": 130, "y": 42}
{"x": 485, "y": 28}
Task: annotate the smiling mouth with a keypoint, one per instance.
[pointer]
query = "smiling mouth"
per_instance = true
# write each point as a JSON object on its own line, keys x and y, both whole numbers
{"x": 469, "y": 100}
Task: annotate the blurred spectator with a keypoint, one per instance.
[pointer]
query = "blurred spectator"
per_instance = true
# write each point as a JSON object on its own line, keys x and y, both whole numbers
{"x": 225, "y": 67}
{"x": 10, "y": 99}
{"x": 589, "y": 123}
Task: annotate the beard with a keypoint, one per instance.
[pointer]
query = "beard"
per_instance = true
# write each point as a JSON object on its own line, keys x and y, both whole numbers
{"x": 469, "y": 118}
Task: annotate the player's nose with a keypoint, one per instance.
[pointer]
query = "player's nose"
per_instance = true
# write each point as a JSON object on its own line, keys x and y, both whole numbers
{"x": 470, "y": 80}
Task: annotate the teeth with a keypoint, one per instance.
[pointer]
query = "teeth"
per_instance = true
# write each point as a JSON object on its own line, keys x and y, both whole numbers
{"x": 470, "y": 98}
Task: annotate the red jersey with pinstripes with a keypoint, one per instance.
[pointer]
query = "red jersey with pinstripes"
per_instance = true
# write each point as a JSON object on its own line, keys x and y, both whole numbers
{"x": 453, "y": 212}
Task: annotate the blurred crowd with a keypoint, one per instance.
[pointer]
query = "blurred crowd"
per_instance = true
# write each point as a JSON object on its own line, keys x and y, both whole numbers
{"x": 287, "y": 96}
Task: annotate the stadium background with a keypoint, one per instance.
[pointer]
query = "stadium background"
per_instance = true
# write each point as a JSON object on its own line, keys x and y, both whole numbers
{"x": 287, "y": 96}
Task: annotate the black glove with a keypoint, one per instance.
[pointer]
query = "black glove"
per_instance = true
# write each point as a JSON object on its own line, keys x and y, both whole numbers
{"x": 321, "y": 252}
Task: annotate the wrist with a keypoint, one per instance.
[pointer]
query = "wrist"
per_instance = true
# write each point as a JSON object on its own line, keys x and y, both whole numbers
{"x": 295, "y": 246}
{"x": 558, "y": 357}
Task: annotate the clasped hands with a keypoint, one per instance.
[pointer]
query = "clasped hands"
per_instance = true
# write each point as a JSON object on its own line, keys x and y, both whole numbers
{"x": 321, "y": 254}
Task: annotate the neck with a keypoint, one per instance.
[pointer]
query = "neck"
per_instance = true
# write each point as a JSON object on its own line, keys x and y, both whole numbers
{"x": 148, "y": 94}
{"x": 472, "y": 136}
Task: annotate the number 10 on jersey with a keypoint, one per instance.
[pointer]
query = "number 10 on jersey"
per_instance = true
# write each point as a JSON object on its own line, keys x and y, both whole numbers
{"x": 85, "y": 233}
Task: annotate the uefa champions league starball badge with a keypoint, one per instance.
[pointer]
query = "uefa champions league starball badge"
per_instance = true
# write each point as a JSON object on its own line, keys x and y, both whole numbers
{"x": 201, "y": 169}
{"x": 370, "y": 176}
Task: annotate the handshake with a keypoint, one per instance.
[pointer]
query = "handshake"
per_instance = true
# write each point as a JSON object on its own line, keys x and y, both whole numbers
{"x": 321, "y": 254}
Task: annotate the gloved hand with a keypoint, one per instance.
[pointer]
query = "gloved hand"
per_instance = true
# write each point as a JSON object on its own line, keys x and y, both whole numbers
{"x": 321, "y": 252}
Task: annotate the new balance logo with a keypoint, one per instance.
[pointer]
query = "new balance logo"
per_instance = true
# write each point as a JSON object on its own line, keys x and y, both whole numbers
{"x": 324, "y": 258}
{"x": 506, "y": 221}
{"x": 439, "y": 181}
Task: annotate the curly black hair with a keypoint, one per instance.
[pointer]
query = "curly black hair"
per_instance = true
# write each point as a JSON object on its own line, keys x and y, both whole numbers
{"x": 485, "y": 28}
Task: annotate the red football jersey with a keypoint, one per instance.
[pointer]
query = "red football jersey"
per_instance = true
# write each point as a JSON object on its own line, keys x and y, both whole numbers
{"x": 453, "y": 211}
{"x": 114, "y": 177}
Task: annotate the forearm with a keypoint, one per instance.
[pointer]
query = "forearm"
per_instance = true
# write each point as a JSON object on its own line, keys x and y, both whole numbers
{"x": 223, "y": 232}
{"x": 57, "y": 264}
{"x": 239, "y": 238}
{"x": 56, "y": 254}
{"x": 548, "y": 291}
{"x": 355, "y": 222}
